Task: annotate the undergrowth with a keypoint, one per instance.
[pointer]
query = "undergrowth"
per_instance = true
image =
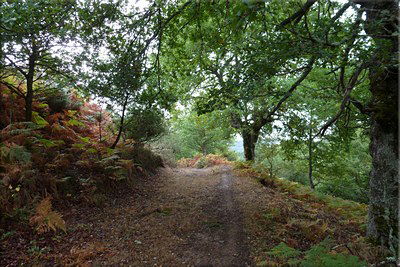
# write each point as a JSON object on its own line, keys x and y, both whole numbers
{"x": 200, "y": 161}
{"x": 64, "y": 153}
{"x": 319, "y": 255}
{"x": 310, "y": 229}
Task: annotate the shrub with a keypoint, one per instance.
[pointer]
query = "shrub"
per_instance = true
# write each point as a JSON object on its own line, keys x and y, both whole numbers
{"x": 202, "y": 163}
{"x": 58, "y": 101}
{"x": 320, "y": 255}
{"x": 144, "y": 125}
{"x": 187, "y": 162}
{"x": 142, "y": 157}
{"x": 213, "y": 160}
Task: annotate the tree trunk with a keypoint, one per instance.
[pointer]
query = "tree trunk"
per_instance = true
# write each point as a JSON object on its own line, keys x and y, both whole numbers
{"x": 384, "y": 184}
{"x": 250, "y": 138}
{"x": 310, "y": 155}
{"x": 204, "y": 151}
{"x": 100, "y": 120}
{"x": 121, "y": 126}
{"x": 381, "y": 24}
{"x": 12, "y": 107}
{"x": 29, "y": 86}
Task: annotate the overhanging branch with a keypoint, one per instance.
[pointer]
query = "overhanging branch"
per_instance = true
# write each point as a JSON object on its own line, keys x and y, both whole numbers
{"x": 346, "y": 97}
{"x": 299, "y": 14}
{"x": 307, "y": 71}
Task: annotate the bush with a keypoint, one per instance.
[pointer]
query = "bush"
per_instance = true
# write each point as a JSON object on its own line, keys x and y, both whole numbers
{"x": 144, "y": 125}
{"x": 143, "y": 157}
{"x": 58, "y": 101}
{"x": 229, "y": 155}
{"x": 202, "y": 163}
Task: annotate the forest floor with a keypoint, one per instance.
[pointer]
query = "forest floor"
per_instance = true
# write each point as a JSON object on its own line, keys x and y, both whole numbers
{"x": 181, "y": 217}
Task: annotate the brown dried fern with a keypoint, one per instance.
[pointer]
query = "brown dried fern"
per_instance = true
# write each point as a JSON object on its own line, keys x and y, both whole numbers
{"x": 45, "y": 219}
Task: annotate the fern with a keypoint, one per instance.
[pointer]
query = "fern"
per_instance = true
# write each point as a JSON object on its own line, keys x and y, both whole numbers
{"x": 19, "y": 153}
{"x": 92, "y": 150}
{"x": 75, "y": 122}
{"x": 85, "y": 139}
{"x": 38, "y": 119}
{"x": 19, "y": 128}
{"x": 109, "y": 160}
{"x": 284, "y": 252}
{"x": 70, "y": 113}
{"x": 78, "y": 146}
{"x": 50, "y": 143}
{"x": 20, "y": 132}
{"x": 4, "y": 152}
{"x": 319, "y": 255}
{"x": 45, "y": 219}
{"x": 14, "y": 153}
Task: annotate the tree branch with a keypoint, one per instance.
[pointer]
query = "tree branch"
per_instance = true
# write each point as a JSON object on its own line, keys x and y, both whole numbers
{"x": 299, "y": 14}
{"x": 13, "y": 88}
{"x": 346, "y": 98}
{"x": 307, "y": 70}
{"x": 148, "y": 41}
{"x": 17, "y": 67}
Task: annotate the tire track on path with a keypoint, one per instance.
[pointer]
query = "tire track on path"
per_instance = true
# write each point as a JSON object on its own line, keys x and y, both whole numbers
{"x": 220, "y": 240}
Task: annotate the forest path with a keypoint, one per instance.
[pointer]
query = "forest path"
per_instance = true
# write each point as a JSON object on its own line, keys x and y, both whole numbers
{"x": 192, "y": 219}
{"x": 186, "y": 217}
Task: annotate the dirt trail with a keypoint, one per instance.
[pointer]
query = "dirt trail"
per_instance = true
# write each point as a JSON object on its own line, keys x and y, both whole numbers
{"x": 181, "y": 217}
{"x": 220, "y": 241}
{"x": 184, "y": 217}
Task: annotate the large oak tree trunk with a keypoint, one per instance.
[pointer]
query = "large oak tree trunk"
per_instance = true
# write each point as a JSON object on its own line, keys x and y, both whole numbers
{"x": 384, "y": 183}
{"x": 381, "y": 24}
{"x": 250, "y": 138}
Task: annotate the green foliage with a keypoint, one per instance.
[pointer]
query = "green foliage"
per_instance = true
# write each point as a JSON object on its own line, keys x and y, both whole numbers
{"x": 20, "y": 154}
{"x": 202, "y": 163}
{"x": 79, "y": 146}
{"x": 19, "y": 128}
{"x": 142, "y": 157}
{"x": 319, "y": 255}
{"x": 85, "y": 140}
{"x": 283, "y": 251}
{"x": 38, "y": 119}
{"x": 7, "y": 235}
{"x": 57, "y": 100}
{"x": 74, "y": 122}
{"x": 340, "y": 168}
{"x": 206, "y": 134}
{"x": 15, "y": 153}
{"x": 144, "y": 125}
{"x": 29, "y": 47}
{"x": 50, "y": 143}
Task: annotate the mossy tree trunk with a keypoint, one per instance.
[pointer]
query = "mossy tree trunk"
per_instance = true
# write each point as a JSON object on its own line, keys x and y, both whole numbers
{"x": 382, "y": 25}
